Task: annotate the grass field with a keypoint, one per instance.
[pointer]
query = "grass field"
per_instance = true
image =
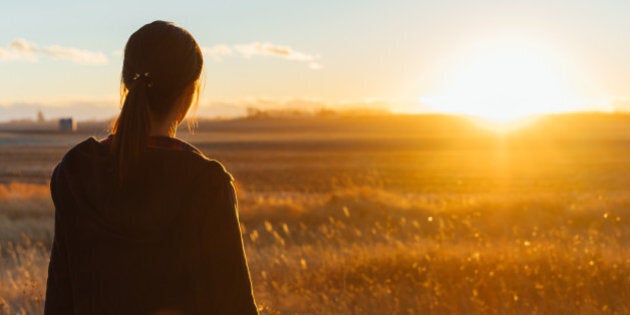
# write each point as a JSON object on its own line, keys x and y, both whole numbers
{"x": 387, "y": 215}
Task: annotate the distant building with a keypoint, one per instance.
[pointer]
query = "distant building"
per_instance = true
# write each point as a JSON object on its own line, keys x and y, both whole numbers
{"x": 40, "y": 117}
{"x": 67, "y": 125}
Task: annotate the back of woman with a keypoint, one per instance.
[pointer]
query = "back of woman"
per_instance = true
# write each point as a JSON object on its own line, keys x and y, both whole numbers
{"x": 144, "y": 222}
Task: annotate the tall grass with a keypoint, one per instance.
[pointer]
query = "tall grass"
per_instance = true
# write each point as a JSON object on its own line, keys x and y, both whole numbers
{"x": 367, "y": 250}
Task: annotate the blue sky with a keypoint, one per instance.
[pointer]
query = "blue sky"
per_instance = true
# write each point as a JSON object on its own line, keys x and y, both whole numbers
{"x": 339, "y": 52}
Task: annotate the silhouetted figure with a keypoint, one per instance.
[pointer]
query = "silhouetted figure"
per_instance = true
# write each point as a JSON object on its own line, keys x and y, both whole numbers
{"x": 144, "y": 222}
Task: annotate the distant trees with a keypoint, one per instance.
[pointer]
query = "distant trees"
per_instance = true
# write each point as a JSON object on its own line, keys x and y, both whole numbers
{"x": 258, "y": 113}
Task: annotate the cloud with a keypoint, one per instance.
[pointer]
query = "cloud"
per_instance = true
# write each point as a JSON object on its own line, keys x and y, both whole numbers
{"x": 21, "y": 49}
{"x": 269, "y": 49}
{"x": 217, "y": 52}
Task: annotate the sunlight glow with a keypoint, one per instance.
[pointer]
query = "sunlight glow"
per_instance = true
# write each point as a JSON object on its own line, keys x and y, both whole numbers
{"x": 504, "y": 81}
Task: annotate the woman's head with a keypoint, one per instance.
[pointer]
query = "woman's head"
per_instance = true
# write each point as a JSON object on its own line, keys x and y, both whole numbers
{"x": 163, "y": 59}
{"x": 160, "y": 79}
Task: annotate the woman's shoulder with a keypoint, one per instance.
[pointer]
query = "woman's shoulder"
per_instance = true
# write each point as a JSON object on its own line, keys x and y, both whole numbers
{"x": 208, "y": 167}
{"x": 215, "y": 169}
{"x": 188, "y": 158}
{"x": 86, "y": 149}
{"x": 180, "y": 155}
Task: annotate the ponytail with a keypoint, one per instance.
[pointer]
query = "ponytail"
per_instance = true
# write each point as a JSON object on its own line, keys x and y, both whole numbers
{"x": 161, "y": 62}
{"x": 131, "y": 129}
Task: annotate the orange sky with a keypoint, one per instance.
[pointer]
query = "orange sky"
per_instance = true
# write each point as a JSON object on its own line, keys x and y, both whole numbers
{"x": 474, "y": 57}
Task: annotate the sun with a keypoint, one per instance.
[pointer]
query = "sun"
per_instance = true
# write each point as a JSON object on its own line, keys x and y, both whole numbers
{"x": 505, "y": 81}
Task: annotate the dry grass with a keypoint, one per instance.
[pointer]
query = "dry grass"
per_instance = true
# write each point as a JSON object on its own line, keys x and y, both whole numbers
{"x": 368, "y": 252}
{"x": 390, "y": 215}
{"x": 364, "y": 250}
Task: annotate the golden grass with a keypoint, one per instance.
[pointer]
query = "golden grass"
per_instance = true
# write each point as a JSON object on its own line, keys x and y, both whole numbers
{"x": 390, "y": 215}
{"x": 365, "y": 250}
{"x": 22, "y": 192}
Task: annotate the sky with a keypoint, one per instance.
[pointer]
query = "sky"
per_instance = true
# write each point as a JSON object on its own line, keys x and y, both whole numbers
{"x": 404, "y": 56}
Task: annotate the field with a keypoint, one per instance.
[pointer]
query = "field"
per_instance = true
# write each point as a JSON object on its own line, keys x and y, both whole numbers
{"x": 386, "y": 215}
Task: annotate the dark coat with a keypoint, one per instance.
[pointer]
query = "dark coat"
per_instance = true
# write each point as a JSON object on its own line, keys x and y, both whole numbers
{"x": 169, "y": 243}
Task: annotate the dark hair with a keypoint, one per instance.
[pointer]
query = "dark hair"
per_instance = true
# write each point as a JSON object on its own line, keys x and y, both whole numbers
{"x": 162, "y": 65}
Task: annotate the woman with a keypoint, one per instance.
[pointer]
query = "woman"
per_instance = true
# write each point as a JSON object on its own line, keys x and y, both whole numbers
{"x": 144, "y": 222}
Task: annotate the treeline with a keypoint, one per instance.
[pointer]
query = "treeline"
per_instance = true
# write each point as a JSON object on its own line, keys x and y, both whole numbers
{"x": 258, "y": 113}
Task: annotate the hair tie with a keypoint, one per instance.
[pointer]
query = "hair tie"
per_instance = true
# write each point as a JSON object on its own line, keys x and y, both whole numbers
{"x": 145, "y": 77}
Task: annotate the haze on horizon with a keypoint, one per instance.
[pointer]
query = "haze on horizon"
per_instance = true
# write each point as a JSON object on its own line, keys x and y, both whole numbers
{"x": 494, "y": 59}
